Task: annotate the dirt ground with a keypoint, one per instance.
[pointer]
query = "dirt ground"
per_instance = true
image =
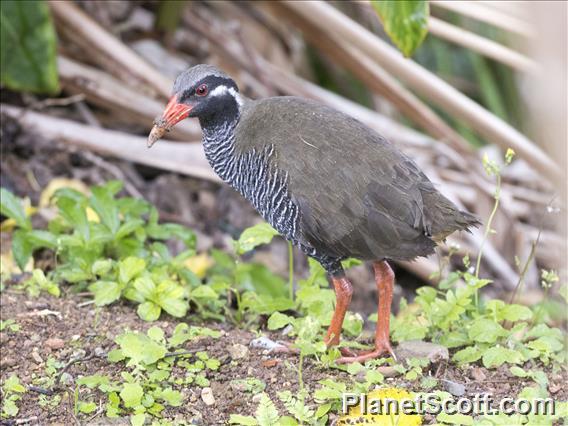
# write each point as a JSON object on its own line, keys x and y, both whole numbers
{"x": 90, "y": 332}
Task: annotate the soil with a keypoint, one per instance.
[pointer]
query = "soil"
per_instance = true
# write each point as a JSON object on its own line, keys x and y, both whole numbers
{"x": 90, "y": 332}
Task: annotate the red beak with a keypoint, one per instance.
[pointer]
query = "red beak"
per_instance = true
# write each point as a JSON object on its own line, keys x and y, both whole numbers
{"x": 173, "y": 114}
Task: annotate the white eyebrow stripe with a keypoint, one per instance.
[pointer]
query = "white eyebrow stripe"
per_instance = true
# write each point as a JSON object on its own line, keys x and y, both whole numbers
{"x": 221, "y": 90}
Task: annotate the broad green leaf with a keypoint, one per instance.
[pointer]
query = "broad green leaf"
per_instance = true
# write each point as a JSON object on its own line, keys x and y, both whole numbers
{"x": 496, "y": 356}
{"x": 140, "y": 348}
{"x": 258, "y": 278}
{"x": 28, "y": 47}
{"x": 485, "y": 330}
{"x": 237, "y": 419}
{"x": 255, "y": 236}
{"x": 171, "y": 298}
{"x": 21, "y": 248}
{"x": 105, "y": 292}
{"x": 174, "y": 398}
{"x": 129, "y": 227}
{"x": 156, "y": 334}
{"x": 10, "y": 205}
{"x": 129, "y": 268}
{"x": 12, "y": 384}
{"x": 455, "y": 419}
{"x": 406, "y": 22}
{"x": 131, "y": 394}
{"x": 104, "y": 204}
{"x": 204, "y": 292}
{"x": 138, "y": 419}
{"x": 467, "y": 355}
{"x": 86, "y": 407}
{"x": 75, "y": 213}
{"x": 149, "y": 311}
{"x": 101, "y": 267}
{"x": 278, "y": 320}
{"x": 38, "y": 238}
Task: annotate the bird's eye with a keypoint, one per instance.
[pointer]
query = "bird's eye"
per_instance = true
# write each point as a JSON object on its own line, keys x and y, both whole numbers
{"x": 201, "y": 90}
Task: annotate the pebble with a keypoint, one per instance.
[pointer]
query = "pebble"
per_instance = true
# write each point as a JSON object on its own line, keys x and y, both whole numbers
{"x": 478, "y": 374}
{"x": 256, "y": 398}
{"x": 207, "y": 396}
{"x": 238, "y": 351}
{"x": 36, "y": 357}
{"x": 420, "y": 349}
{"x": 67, "y": 379}
{"x": 54, "y": 343}
{"x": 100, "y": 352}
{"x": 264, "y": 342}
{"x": 269, "y": 363}
{"x": 456, "y": 389}
{"x": 7, "y": 362}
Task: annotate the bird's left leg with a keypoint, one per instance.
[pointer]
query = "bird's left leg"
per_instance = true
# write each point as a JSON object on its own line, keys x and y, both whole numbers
{"x": 384, "y": 278}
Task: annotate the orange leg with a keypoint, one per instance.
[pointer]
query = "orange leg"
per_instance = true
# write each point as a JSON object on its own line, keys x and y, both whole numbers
{"x": 343, "y": 293}
{"x": 384, "y": 278}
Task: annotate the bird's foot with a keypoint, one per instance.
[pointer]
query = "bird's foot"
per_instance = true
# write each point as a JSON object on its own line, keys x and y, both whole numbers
{"x": 380, "y": 349}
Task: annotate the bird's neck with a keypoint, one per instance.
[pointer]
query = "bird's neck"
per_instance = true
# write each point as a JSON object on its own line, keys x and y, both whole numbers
{"x": 219, "y": 139}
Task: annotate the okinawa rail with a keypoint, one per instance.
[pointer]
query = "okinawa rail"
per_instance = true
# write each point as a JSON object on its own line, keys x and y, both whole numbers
{"x": 325, "y": 181}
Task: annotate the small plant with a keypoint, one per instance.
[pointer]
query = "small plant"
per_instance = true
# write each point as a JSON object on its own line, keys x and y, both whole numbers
{"x": 11, "y": 393}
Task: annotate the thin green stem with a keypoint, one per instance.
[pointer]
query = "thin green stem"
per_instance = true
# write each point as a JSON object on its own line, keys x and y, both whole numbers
{"x": 489, "y": 223}
{"x": 291, "y": 270}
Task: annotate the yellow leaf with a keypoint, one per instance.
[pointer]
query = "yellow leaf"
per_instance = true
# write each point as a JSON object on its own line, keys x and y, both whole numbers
{"x": 59, "y": 183}
{"x": 199, "y": 264}
{"x": 8, "y": 266}
{"x": 45, "y": 199}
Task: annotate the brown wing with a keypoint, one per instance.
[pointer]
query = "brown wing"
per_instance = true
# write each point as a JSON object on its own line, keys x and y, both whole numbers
{"x": 358, "y": 194}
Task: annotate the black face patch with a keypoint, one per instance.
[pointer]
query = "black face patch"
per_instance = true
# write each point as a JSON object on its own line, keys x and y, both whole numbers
{"x": 212, "y": 81}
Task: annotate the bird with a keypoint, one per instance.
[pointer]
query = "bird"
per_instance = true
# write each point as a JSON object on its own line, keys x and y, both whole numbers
{"x": 326, "y": 182}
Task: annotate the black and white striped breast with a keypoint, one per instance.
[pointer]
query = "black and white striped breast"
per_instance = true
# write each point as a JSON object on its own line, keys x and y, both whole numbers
{"x": 253, "y": 174}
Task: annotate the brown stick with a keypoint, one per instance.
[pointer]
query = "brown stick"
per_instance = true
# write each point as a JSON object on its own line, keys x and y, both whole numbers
{"x": 187, "y": 159}
{"x": 328, "y": 19}
{"x": 83, "y": 26}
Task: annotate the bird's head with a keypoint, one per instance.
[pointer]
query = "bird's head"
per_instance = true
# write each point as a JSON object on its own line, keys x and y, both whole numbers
{"x": 202, "y": 91}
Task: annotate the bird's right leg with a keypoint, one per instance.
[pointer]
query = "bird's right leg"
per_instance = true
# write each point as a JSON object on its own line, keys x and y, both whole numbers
{"x": 343, "y": 293}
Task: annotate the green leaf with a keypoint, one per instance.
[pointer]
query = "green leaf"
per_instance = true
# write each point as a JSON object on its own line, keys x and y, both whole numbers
{"x": 406, "y": 22}
{"x": 261, "y": 233}
{"x": 455, "y": 419}
{"x": 137, "y": 419}
{"x": 74, "y": 213}
{"x": 278, "y": 320}
{"x": 28, "y": 46}
{"x": 467, "y": 355}
{"x": 129, "y": 268}
{"x": 485, "y": 330}
{"x": 12, "y": 384}
{"x": 87, "y": 407}
{"x": 496, "y": 356}
{"x": 21, "y": 248}
{"x": 266, "y": 413}
{"x": 104, "y": 204}
{"x": 105, "y": 292}
{"x": 131, "y": 394}
{"x": 140, "y": 348}
{"x": 237, "y": 419}
{"x": 129, "y": 227}
{"x": 39, "y": 238}
{"x": 171, "y": 298}
{"x": 149, "y": 311}
{"x": 101, "y": 267}
{"x": 10, "y": 205}
{"x": 174, "y": 398}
